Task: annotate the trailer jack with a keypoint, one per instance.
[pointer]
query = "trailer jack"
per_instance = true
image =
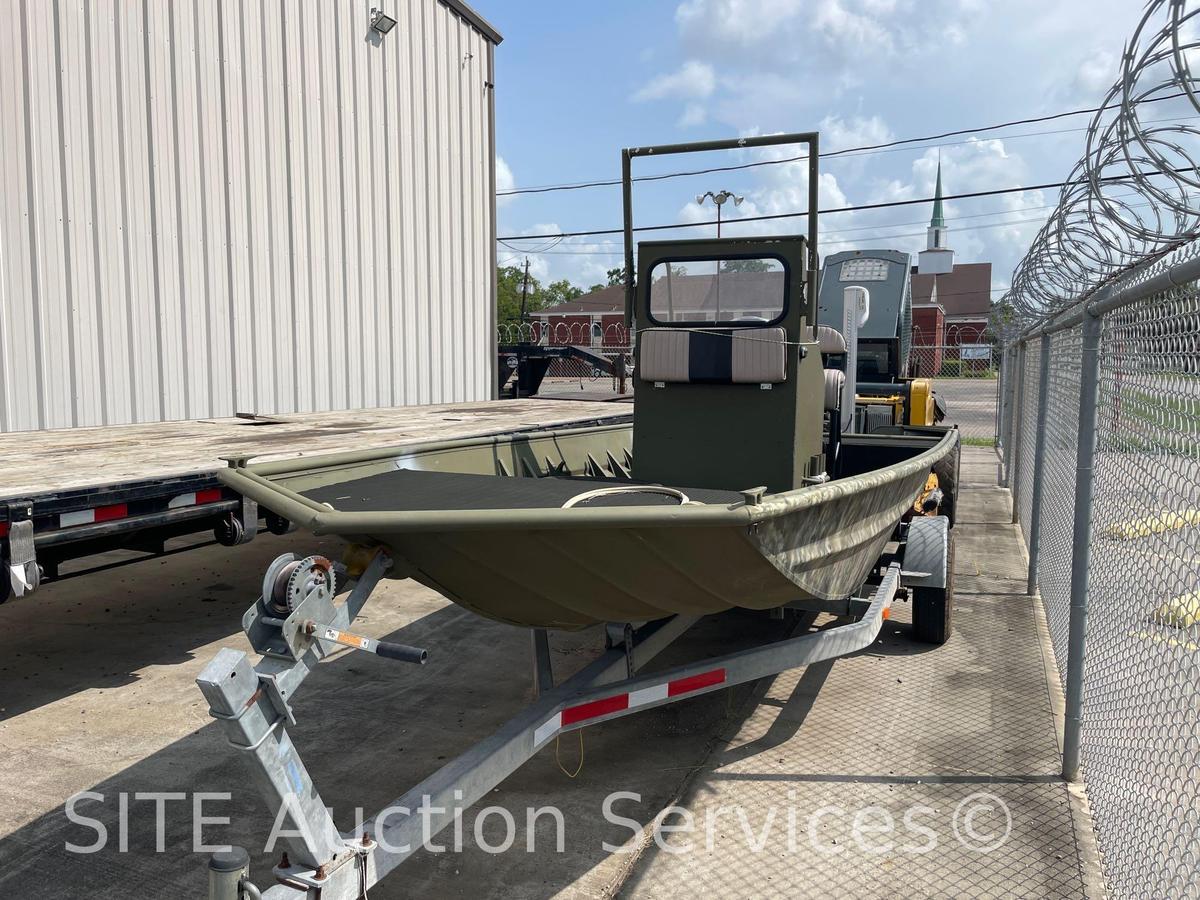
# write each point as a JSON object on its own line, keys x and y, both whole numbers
{"x": 296, "y": 623}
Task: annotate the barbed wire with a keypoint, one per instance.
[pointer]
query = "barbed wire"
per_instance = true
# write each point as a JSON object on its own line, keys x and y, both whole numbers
{"x": 1096, "y": 233}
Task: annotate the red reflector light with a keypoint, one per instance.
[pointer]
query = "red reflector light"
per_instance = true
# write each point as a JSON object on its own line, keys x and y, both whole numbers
{"x": 107, "y": 513}
{"x": 695, "y": 682}
{"x": 596, "y": 708}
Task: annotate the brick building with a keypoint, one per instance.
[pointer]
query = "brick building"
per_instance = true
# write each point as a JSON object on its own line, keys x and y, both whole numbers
{"x": 593, "y": 320}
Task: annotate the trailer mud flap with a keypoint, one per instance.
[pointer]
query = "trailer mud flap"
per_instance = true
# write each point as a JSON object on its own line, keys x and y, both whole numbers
{"x": 20, "y": 562}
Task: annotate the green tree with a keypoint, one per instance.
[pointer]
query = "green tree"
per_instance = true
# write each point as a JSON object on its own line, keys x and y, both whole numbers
{"x": 559, "y": 292}
{"x": 676, "y": 272}
{"x": 748, "y": 265}
{"x": 616, "y": 276}
{"x": 508, "y": 294}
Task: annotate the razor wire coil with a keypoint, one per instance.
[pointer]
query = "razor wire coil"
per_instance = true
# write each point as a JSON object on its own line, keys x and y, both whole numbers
{"x": 1133, "y": 194}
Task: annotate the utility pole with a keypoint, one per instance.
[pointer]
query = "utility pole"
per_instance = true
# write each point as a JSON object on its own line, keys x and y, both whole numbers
{"x": 521, "y": 358}
{"x": 524, "y": 290}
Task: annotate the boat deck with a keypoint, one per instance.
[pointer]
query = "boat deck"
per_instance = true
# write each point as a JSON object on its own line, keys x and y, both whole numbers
{"x": 407, "y": 490}
{"x": 41, "y": 462}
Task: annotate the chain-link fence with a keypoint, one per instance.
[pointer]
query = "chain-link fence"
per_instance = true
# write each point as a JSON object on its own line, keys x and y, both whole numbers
{"x": 1118, "y": 568}
{"x": 580, "y": 354}
{"x": 965, "y": 379}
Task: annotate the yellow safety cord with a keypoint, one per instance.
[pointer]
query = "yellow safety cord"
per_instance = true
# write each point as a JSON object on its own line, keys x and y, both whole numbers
{"x": 559, "y": 761}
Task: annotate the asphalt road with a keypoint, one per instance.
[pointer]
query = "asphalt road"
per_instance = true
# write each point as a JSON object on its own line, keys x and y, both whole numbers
{"x": 970, "y": 404}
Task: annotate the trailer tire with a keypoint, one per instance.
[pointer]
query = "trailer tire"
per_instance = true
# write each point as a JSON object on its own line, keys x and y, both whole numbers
{"x": 277, "y": 524}
{"x": 230, "y": 531}
{"x": 933, "y": 607}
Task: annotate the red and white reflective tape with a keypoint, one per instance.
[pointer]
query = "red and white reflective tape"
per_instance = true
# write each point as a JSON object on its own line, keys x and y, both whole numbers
{"x": 91, "y": 516}
{"x": 197, "y": 498}
{"x": 594, "y": 709}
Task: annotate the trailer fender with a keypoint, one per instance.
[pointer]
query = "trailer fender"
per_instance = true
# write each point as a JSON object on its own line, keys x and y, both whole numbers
{"x": 926, "y": 551}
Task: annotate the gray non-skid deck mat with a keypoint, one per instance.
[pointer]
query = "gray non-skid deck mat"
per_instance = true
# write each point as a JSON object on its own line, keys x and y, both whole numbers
{"x": 410, "y": 490}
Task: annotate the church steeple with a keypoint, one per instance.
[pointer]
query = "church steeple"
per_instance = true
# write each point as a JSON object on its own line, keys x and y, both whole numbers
{"x": 937, "y": 258}
{"x": 936, "y": 235}
{"x": 939, "y": 219}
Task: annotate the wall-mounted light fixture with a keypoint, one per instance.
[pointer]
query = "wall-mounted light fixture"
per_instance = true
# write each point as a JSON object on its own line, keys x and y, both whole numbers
{"x": 381, "y": 21}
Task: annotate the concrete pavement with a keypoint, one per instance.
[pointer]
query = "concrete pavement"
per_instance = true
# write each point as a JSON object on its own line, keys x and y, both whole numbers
{"x": 97, "y": 694}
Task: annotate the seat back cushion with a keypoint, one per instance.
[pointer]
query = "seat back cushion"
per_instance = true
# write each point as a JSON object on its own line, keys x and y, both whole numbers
{"x": 734, "y": 356}
{"x": 835, "y": 380}
{"x": 831, "y": 340}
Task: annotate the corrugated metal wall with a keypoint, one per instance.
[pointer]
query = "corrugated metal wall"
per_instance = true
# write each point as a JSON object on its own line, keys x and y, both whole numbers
{"x": 240, "y": 206}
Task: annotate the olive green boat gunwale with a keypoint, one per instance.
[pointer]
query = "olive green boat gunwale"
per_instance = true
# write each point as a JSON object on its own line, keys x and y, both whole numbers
{"x": 320, "y": 519}
{"x": 350, "y": 457}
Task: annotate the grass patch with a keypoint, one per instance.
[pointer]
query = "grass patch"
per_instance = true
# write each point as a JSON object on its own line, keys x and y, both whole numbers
{"x": 1146, "y": 421}
{"x": 977, "y": 441}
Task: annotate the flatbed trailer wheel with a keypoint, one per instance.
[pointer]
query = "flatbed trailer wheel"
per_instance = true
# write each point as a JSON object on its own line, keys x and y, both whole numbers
{"x": 929, "y": 555}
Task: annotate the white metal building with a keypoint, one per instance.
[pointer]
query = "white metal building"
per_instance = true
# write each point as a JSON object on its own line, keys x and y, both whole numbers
{"x": 220, "y": 206}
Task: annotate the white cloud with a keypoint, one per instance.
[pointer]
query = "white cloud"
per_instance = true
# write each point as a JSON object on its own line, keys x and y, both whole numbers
{"x": 994, "y": 229}
{"x": 839, "y": 133}
{"x": 692, "y": 80}
{"x": 582, "y": 261}
{"x": 693, "y": 114}
{"x": 504, "y": 180}
{"x": 764, "y": 33}
{"x": 1096, "y": 73}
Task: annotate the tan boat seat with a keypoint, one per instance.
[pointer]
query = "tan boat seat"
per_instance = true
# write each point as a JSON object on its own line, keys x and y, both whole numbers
{"x": 831, "y": 340}
{"x": 835, "y": 381}
{"x": 697, "y": 356}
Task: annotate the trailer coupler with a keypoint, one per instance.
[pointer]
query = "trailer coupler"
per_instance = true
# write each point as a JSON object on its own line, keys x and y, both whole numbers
{"x": 252, "y": 705}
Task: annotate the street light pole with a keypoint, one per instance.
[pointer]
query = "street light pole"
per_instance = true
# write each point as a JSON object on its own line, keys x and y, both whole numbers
{"x": 719, "y": 198}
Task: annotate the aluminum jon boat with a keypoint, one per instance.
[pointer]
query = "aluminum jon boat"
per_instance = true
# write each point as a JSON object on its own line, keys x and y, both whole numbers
{"x": 550, "y": 529}
{"x": 733, "y": 487}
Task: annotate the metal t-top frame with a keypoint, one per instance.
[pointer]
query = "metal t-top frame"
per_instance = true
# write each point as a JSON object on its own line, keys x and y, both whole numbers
{"x": 253, "y": 705}
{"x": 809, "y": 138}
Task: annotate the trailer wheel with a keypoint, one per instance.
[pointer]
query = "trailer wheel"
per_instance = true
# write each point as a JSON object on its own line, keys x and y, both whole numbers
{"x": 929, "y": 575}
{"x": 230, "y": 531}
{"x": 277, "y": 524}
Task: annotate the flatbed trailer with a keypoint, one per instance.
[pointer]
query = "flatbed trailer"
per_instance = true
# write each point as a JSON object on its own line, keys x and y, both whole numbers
{"x": 73, "y": 493}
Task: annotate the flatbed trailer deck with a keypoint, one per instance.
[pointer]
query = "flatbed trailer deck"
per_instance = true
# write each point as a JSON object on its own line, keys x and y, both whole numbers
{"x": 71, "y": 493}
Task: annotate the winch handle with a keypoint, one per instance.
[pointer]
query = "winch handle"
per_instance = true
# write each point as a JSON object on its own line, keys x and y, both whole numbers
{"x": 386, "y": 649}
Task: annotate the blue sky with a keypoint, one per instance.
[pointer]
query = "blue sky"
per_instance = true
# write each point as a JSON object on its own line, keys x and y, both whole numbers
{"x": 576, "y": 82}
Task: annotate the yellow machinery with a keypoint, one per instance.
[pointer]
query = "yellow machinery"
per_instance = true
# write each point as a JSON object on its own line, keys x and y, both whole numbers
{"x": 907, "y": 402}
{"x": 866, "y": 296}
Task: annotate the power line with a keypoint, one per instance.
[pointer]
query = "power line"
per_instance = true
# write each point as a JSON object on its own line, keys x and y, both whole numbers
{"x": 869, "y": 237}
{"x": 832, "y": 154}
{"x": 1115, "y": 179}
{"x": 857, "y": 228}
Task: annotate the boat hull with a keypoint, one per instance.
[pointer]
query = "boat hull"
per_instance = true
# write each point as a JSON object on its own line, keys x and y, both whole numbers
{"x": 571, "y": 568}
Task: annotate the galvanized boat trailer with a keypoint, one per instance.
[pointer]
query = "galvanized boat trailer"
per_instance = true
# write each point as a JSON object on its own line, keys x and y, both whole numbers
{"x": 297, "y": 622}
